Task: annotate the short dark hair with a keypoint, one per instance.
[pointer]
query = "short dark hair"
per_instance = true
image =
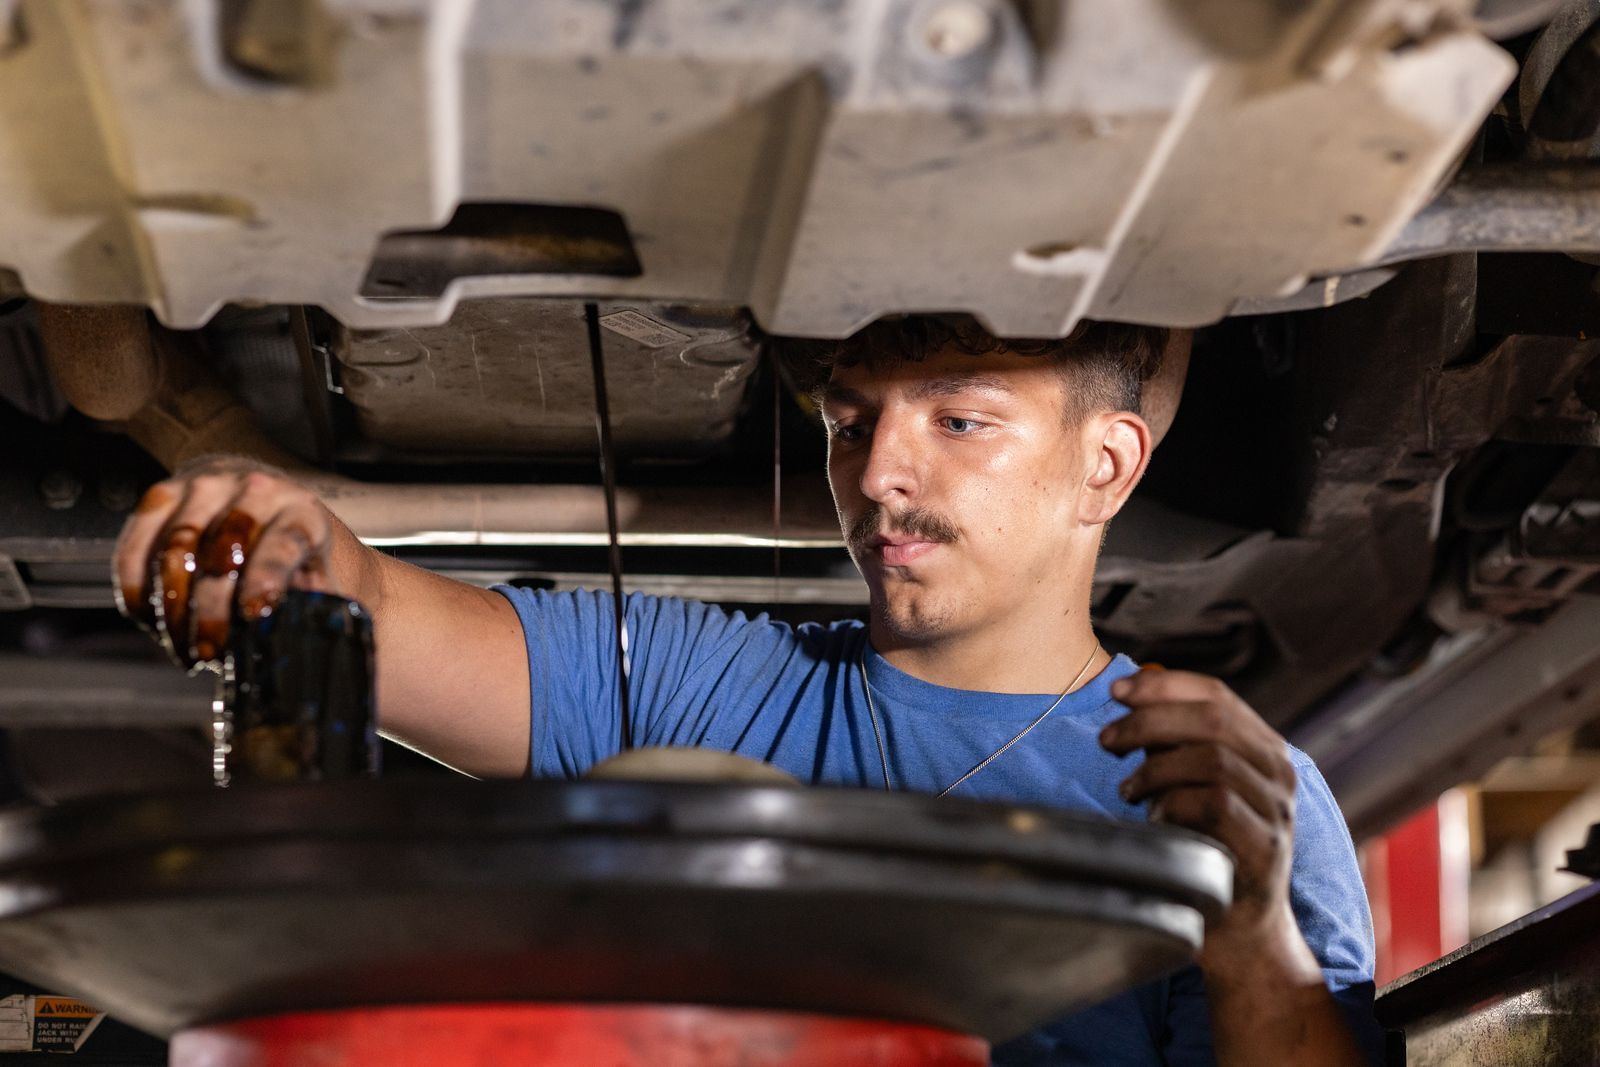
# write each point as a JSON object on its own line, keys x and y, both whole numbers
{"x": 1106, "y": 363}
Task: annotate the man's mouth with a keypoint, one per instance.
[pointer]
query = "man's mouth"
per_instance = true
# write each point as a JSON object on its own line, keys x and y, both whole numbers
{"x": 897, "y": 551}
{"x": 899, "y": 540}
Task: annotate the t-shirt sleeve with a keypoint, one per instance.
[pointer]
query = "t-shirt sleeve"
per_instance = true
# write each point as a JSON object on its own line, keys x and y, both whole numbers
{"x": 1330, "y": 904}
{"x": 574, "y": 704}
{"x": 1330, "y": 907}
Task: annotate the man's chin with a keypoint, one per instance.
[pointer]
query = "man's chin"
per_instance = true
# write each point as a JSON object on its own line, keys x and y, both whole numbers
{"x": 912, "y": 620}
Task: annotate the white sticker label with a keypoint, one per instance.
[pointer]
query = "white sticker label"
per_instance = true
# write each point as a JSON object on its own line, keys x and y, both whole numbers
{"x": 16, "y": 1024}
{"x": 642, "y": 328}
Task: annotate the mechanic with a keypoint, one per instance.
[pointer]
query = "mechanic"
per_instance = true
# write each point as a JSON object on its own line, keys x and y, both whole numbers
{"x": 974, "y": 480}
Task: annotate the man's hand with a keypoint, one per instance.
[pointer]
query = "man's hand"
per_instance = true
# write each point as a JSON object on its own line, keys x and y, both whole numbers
{"x": 222, "y": 536}
{"x": 1213, "y": 765}
{"x": 229, "y": 536}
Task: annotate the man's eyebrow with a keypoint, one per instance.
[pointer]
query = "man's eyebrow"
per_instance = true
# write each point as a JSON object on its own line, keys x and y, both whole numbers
{"x": 950, "y": 385}
{"x": 839, "y": 394}
{"x": 927, "y": 389}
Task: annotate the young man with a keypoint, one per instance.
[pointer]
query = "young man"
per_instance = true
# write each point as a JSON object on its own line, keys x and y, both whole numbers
{"x": 974, "y": 479}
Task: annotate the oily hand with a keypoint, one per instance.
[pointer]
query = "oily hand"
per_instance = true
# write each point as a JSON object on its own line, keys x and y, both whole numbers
{"x": 1213, "y": 765}
{"x": 221, "y": 537}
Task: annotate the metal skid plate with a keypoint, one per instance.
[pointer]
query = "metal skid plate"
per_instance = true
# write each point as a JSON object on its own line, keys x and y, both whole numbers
{"x": 189, "y": 908}
{"x": 512, "y": 378}
{"x": 821, "y": 163}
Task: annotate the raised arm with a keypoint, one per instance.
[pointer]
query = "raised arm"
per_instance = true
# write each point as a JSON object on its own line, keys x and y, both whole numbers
{"x": 230, "y": 535}
{"x": 1215, "y": 766}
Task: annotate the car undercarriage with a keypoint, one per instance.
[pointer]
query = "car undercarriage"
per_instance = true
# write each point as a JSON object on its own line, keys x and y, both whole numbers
{"x": 355, "y": 239}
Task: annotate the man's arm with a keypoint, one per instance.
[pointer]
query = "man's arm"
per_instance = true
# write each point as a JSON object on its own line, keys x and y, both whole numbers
{"x": 452, "y": 665}
{"x": 1270, "y": 1002}
{"x": 229, "y": 535}
{"x": 1214, "y": 766}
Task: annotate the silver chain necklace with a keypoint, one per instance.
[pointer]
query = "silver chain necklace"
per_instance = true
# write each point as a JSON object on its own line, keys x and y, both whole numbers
{"x": 877, "y": 735}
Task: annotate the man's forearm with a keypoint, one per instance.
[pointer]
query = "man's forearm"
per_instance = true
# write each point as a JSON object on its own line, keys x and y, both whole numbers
{"x": 452, "y": 666}
{"x": 358, "y": 571}
{"x": 1271, "y": 1004}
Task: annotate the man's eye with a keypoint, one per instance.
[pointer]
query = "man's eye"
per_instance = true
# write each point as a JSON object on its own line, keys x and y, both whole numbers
{"x": 958, "y": 425}
{"x": 847, "y": 434}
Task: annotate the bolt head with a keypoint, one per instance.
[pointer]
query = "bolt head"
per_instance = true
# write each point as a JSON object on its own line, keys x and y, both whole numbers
{"x": 117, "y": 494}
{"x": 60, "y": 490}
{"x": 956, "y": 29}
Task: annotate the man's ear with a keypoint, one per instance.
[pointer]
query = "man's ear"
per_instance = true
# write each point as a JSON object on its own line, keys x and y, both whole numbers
{"x": 1118, "y": 445}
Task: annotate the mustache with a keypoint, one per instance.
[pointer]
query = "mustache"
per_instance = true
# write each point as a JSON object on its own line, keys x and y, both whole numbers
{"x": 921, "y": 523}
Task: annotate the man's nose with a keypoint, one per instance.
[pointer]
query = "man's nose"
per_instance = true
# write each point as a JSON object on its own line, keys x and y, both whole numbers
{"x": 892, "y": 467}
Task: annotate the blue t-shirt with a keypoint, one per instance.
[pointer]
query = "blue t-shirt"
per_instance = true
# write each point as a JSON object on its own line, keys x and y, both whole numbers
{"x": 793, "y": 697}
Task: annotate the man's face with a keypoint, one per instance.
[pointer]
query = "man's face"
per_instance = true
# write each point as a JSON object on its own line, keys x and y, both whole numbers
{"x": 957, "y": 481}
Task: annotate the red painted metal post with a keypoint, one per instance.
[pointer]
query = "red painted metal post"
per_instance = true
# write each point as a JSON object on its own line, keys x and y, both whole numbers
{"x": 1417, "y": 878}
{"x": 546, "y": 1035}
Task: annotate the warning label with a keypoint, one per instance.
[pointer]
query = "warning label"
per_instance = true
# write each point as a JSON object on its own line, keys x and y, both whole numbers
{"x": 62, "y": 1008}
{"x": 642, "y": 328}
{"x": 45, "y": 1024}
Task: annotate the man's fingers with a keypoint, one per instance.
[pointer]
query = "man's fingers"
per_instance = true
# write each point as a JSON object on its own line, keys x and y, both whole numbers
{"x": 187, "y": 555}
{"x": 1210, "y": 764}
{"x": 1257, "y": 846}
{"x": 1209, "y": 809}
{"x": 174, "y": 561}
{"x": 1169, "y": 687}
{"x": 221, "y": 555}
{"x": 1171, "y": 724}
{"x": 1159, "y": 686}
{"x": 1182, "y": 687}
{"x": 131, "y": 559}
{"x": 210, "y": 617}
{"x": 224, "y": 548}
{"x": 1231, "y": 724}
{"x": 293, "y": 549}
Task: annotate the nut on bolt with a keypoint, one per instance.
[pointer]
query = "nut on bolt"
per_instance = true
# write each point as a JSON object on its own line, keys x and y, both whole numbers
{"x": 60, "y": 490}
{"x": 955, "y": 29}
{"x": 117, "y": 493}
